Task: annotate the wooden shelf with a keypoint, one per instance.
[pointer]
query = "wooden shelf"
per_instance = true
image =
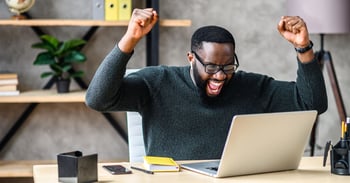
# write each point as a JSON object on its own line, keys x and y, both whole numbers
{"x": 45, "y": 96}
{"x": 66, "y": 22}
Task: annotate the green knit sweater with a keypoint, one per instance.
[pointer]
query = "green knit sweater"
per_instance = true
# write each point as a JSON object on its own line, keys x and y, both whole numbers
{"x": 177, "y": 122}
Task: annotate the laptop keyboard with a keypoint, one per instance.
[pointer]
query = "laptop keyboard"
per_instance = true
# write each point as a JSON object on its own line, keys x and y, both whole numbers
{"x": 212, "y": 168}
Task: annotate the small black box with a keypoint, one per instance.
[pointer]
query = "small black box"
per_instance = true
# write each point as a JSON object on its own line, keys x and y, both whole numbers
{"x": 73, "y": 167}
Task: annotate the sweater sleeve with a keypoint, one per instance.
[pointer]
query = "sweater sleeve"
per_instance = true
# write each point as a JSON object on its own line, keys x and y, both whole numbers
{"x": 308, "y": 92}
{"x": 311, "y": 86}
{"x": 104, "y": 89}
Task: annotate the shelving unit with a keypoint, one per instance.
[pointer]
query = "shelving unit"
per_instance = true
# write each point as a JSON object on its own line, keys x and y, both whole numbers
{"x": 46, "y": 95}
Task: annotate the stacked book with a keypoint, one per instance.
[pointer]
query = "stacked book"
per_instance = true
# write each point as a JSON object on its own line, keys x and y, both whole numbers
{"x": 8, "y": 84}
{"x": 160, "y": 164}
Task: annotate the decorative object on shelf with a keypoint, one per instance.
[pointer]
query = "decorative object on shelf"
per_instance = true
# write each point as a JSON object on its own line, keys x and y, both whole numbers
{"x": 60, "y": 56}
{"x": 19, "y": 6}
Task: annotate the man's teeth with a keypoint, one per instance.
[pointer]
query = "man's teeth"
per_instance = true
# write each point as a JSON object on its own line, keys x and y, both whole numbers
{"x": 214, "y": 85}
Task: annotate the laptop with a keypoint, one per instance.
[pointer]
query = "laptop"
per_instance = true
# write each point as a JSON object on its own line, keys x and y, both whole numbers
{"x": 261, "y": 143}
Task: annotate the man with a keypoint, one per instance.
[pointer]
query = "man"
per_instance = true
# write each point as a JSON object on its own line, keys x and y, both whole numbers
{"x": 187, "y": 111}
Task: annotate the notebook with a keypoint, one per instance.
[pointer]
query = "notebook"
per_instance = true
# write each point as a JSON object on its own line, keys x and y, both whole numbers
{"x": 260, "y": 143}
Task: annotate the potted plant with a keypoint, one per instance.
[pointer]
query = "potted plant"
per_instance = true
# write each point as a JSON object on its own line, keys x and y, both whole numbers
{"x": 60, "y": 56}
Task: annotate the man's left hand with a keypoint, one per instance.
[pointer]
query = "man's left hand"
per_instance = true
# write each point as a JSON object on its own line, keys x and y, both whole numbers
{"x": 293, "y": 29}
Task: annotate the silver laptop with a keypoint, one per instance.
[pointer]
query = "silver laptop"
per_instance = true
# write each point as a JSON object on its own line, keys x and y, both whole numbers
{"x": 260, "y": 143}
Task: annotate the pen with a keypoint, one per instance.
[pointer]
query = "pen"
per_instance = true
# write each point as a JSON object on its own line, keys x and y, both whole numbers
{"x": 347, "y": 126}
{"x": 142, "y": 170}
{"x": 342, "y": 129}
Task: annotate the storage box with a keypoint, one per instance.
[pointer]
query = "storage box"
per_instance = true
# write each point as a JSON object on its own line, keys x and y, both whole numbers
{"x": 73, "y": 167}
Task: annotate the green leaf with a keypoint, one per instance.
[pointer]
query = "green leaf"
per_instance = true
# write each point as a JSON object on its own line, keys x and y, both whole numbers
{"x": 74, "y": 43}
{"x": 69, "y": 46}
{"x": 44, "y": 46}
{"x": 54, "y": 42}
{"x": 44, "y": 58}
{"x": 74, "y": 57}
{"x": 66, "y": 68}
{"x": 46, "y": 74}
{"x": 56, "y": 68}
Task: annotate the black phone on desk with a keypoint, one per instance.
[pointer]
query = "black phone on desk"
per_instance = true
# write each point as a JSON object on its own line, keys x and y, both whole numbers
{"x": 117, "y": 169}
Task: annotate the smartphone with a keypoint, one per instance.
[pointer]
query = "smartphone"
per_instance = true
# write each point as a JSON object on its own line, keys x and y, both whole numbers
{"x": 117, "y": 169}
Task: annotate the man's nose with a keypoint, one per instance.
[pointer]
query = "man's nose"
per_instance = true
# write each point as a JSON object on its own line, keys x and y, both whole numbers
{"x": 220, "y": 75}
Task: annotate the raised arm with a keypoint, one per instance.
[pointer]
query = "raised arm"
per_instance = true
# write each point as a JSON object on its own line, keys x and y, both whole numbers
{"x": 108, "y": 89}
{"x": 294, "y": 30}
{"x": 309, "y": 91}
{"x": 141, "y": 22}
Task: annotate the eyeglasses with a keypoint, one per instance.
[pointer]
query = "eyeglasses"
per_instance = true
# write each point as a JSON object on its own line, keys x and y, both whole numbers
{"x": 213, "y": 68}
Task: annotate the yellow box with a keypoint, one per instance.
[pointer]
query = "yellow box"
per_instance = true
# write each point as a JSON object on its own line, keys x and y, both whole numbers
{"x": 125, "y": 7}
{"x": 111, "y": 9}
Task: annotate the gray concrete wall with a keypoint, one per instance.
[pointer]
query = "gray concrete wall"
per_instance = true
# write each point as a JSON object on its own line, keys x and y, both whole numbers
{"x": 54, "y": 128}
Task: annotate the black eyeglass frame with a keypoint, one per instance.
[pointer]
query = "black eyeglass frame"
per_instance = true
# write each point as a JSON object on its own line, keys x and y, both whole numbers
{"x": 218, "y": 67}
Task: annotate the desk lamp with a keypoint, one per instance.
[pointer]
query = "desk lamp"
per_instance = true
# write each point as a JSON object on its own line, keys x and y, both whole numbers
{"x": 324, "y": 17}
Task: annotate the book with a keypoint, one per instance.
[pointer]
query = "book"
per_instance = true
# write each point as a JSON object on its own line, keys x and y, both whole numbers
{"x": 8, "y": 87}
{"x": 8, "y": 75}
{"x": 9, "y": 93}
{"x": 10, "y": 81}
{"x": 160, "y": 164}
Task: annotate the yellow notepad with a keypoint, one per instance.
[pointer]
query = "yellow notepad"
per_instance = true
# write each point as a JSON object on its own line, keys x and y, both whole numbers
{"x": 160, "y": 164}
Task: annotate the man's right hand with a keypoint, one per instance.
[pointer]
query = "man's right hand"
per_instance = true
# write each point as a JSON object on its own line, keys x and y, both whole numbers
{"x": 141, "y": 23}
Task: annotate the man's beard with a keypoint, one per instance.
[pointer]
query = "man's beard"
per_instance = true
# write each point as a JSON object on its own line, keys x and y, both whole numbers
{"x": 201, "y": 88}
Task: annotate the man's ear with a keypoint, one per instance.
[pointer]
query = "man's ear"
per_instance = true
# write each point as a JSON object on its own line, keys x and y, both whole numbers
{"x": 190, "y": 57}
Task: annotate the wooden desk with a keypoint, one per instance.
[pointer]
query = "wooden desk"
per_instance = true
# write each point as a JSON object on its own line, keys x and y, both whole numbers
{"x": 21, "y": 168}
{"x": 310, "y": 170}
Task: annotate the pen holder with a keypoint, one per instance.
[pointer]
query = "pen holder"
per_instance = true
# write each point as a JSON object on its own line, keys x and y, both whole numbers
{"x": 340, "y": 158}
{"x": 73, "y": 167}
